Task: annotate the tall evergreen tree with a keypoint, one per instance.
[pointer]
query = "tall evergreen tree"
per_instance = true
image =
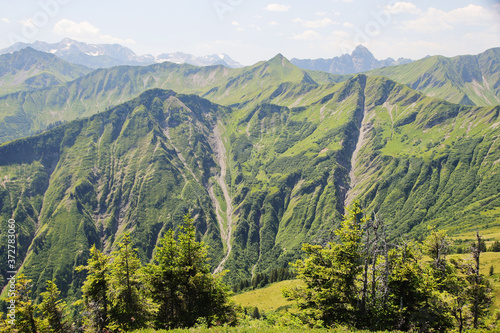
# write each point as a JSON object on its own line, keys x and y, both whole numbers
{"x": 25, "y": 321}
{"x": 331, "y": 294}
{"x": 182, "y": 285}
{"x": 479, "y": 291}
{"x": 95, "y": 291}
{"x": 52, "y": 310}
{"x": 129, "y": 308}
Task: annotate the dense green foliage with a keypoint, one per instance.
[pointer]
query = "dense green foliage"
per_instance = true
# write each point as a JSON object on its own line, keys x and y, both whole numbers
{"x": 175, "y": 290}
{"x": 361, "y": 280}
{"x": 182, "y": 286}
{"x": 261, "y": 280}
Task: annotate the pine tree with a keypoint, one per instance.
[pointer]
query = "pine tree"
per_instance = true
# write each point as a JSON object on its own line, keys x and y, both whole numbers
{"x": 25, "y": 321}
{"x": 331, "y": 294}
{"x": 52, "y": 310}
{"x": 95, "y": 291}
{"x": 181, "y": 284}
{"x": 163, "y": 281}
{"x": 129, "y": 308}
{"x": 495, "y": 247}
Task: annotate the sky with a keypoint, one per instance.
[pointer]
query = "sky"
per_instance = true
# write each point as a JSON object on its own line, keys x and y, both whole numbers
{"x": 253, "y": 30}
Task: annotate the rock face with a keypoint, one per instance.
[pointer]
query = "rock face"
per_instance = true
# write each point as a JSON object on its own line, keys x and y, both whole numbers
{"x": 360, "y": 60}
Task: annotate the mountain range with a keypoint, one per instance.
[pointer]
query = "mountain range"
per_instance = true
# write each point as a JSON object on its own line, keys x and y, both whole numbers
{"x": 264, "y": 157}
{"x": 360, "y": 60}
{"x": 29, "y": 69}
{"x": 109, "y": 55}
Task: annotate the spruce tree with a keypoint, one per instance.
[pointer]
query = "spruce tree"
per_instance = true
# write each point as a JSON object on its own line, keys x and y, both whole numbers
{"x": 182, "y": 285}
{"x": 479, "y": 291}
{"x": 25, "y": 321}
{"x": 129, "y": 308}
{"x": 52, "y": 310}
{"x": 331, "y": 294}
{"x": 95, "y": 291}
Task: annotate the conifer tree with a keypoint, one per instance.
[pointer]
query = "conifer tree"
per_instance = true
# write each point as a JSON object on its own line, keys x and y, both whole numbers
{"x": 95, "y": 291}
{"x": 331, "y": 294}
{"x": 52, "y": 310}
{"x": 182, "y": 285}
{"x": 25, "y": 321}
{"x": 479, "y": 291}
{"x": 129, "y": 309}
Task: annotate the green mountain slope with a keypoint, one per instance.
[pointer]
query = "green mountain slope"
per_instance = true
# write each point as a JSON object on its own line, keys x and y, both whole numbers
{"x": 26, "y": 113}
{"x": 260, "y": 178}
{"x": 468, "y": 80}
{"x": 137, "y": 167}
{"x": 29, "y": 69}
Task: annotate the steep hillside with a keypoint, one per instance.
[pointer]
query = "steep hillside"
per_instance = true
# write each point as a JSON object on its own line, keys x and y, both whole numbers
{"x": 260, "y": 179}
{"x": 468, "y": 79}
{"x": 26, "y": 113}
{"x": 138, "y": 167}
{"x": 29, "y": 69}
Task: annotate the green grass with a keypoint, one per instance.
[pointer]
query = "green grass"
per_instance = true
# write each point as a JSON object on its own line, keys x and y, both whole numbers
{"x": 268, "y": 298}
{"x": 488, "y": 259}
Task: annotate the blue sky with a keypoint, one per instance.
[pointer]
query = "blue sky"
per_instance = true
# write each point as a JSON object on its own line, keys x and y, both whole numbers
{"x": 254, "y": 30}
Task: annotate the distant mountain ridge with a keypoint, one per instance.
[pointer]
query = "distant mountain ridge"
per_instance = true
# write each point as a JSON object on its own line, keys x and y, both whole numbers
{"x": 110, "y": 55}
{"x": 209, "y": 60}
{"x": 29, "y": 69}
{"x": 464, "y": 79}
{"x": 360, "y": 60}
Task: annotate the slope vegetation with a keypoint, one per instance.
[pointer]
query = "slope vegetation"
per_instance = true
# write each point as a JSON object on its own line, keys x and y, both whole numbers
{"x": 29, "y": 69}
{"x": 260, "y": 177}
{"x": 468, "y": 80}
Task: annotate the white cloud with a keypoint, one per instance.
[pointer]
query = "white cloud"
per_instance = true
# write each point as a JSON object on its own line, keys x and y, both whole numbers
{"x": 29, "y": 22}
{"x": 340, "y": 34}
{"x": 321, "y": 13}
{"x": 434, "y": 20}
{"x": 274, "y": 7}
{"x": 307, "y": 35}
{"x": 429, "y": 22}
{"x": 348, "y": 25}
{"x": 403, "y": 7}
{"x": 86, "y": 32}
{"x": 273, "y": 23}
{"x": 314, "y": 24}
{"x": 235, "y": 23}
{"x": 4, "y": 19}
{"x": 473, "y": 15}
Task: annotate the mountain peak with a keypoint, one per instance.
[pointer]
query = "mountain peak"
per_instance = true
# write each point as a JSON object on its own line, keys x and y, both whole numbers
{"x": 361, "y": 52}
{"x": 279, "y": 59}
{"x": 360, "y": 60}
{"x": 279, "y": 56}
{"x": 68, "y": 41}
